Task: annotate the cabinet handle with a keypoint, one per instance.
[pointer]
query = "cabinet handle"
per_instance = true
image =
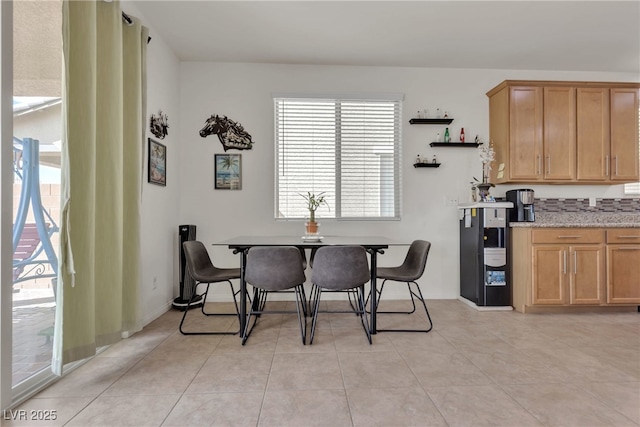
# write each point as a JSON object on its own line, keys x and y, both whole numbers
{"x": 539, "y": 164}
{"x": 575, "y": 262}
{"x": 564, "y": 267}
{"x": 569, "y": 237}
{"x": 628, "y": 237}
{"x": 622, "y": 248}
{"x": 548, "y": 165}
{"x": 606, "y": 165}
{"x": 616, "y": 163}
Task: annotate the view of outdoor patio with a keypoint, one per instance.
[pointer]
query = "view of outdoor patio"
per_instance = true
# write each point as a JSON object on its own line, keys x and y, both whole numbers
{"x": 34, "y": 299}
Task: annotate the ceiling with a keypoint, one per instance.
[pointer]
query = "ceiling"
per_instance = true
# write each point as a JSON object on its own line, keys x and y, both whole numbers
{"x": 528, "y": 35}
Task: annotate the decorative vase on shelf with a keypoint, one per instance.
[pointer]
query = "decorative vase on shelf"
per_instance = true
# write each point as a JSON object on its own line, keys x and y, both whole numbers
{"x": 483, "y": 190}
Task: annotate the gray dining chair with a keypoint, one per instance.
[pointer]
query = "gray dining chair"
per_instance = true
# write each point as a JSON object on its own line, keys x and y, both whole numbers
{"x": 340, "y": 268}
{"x": 408, "y": 272}
{"x": 271, "y": 269}
{"x": 203, "y": 271}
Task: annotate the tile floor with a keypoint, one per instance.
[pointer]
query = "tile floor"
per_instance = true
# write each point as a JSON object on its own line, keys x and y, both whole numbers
{"x": 474, "y": 369}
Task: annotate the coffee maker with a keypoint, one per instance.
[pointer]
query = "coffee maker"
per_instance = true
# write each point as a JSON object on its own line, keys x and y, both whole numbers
{"x": 522, "y": 210}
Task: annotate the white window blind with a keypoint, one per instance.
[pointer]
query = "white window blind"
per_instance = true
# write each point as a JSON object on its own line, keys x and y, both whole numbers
{"x": 349, "y": 149}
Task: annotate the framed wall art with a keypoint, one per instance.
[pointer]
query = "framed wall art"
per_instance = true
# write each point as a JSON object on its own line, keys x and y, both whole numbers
{"x": 157, "y": 163}
{"x": 228, "y": 172}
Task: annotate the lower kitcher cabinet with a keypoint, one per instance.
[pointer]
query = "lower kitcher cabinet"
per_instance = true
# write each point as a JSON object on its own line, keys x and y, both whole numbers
{"x": 623, "y": 274}
{"x": 623, "y": 266}
{"x": 568, "y": 274}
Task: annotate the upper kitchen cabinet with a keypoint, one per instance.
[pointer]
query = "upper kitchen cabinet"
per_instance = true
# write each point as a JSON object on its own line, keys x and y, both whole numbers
{"x": 624, "y": 135}
{"x": 607, "y": 129}
{"x": 593, "y": 132}
{"x": 564, "y": 132}
{"x": 559, "y": 141}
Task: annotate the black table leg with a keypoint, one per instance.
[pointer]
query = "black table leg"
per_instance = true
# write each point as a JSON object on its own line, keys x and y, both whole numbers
{"x": 243, "y": 293}
{"x": 374, "y": 292}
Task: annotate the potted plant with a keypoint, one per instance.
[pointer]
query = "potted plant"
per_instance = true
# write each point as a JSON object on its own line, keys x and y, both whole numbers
{"x": 313, "y": 202}
{"x": 487, "y": 155}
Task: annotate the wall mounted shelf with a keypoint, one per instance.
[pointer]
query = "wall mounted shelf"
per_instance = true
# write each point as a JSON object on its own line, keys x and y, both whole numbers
{"x": 455, "y": 144}
{"x": 434, "y": 121}
{"x": 426, "y": 165}
{"x": 443, "y": 121}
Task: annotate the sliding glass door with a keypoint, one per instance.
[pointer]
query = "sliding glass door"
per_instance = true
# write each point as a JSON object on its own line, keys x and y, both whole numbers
{"x": 31, "y": 184}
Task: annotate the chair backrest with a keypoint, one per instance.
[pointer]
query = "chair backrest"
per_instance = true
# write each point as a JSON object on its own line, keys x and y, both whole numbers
{"x": 340, "y": 267}
{"x": 274, "y": 268}
{"x": 416, "y": 259}
{"x": 198, "y": 261}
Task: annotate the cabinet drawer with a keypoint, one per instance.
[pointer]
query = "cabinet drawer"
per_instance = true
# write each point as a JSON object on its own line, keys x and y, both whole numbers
{"x": 567, "y": 235}
{"x": 623, "y": 235}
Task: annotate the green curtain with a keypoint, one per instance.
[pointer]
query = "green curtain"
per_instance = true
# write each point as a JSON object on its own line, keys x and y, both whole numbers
{"x": 103, "y": 139}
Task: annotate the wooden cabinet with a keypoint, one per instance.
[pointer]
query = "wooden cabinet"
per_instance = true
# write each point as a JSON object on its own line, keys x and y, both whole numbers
{"x": 623, "y": 266}
{"x": 515, "y": 122}
{"x": 549, "y": 275}
{"x": 568, "y": 266}
{"x": 624, "y": 135}
{"x": 559, "y": 141}
{"x": 563, "y": 267}
{"x": 586, "y": 285}
{"x": 607, "y": 129}
{"x": 525, "y": 126}
{"x": 593, "y": 133}
{"x": 564, "y": 132}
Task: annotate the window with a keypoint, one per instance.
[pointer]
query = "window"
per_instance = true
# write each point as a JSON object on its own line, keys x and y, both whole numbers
{"x": 347, "y": 148}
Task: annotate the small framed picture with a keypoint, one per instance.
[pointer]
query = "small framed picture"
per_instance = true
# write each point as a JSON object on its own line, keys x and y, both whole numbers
{"x": 228, "y": 172}
{"x": 157, "y": 163}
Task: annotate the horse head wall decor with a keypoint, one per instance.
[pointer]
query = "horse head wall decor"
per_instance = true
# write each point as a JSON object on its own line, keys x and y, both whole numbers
{"x": 231, "y": 134}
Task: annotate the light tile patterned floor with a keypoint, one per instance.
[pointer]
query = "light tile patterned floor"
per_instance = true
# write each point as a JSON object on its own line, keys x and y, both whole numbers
{"x": 474, "y": 369}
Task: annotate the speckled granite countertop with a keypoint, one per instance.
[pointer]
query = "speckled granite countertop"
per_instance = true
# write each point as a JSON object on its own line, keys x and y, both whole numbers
{"x": 619, "y": 220}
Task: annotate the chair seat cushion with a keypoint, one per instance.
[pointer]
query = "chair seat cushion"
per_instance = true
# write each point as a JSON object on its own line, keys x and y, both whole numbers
{"x": 213, "y": 274}
{"x": 395, "y": 273}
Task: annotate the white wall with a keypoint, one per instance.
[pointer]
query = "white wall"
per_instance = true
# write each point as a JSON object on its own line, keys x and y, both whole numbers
{"x": 243, "y": 92}
{"x": 189, "y": 92}
{"x": 160, "y": 205}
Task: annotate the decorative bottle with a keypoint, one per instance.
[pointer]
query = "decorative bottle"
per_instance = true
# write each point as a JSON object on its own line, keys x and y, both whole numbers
{"x": 418, "y": 159}
{"x": 447, "y": 137}
{"x": 461, "y": 134}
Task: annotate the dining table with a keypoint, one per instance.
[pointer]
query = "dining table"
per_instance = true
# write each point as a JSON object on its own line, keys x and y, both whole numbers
{"x": 374, "y": 245}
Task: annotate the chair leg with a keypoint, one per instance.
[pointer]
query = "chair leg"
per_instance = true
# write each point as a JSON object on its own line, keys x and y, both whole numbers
{"x": 184, "y": 315}
{"x": 316, "y": 306}
{"x": 257, "y": 309}
{"x": 301, "y": 301}
{"x": 413, "y": 295}
{"x": 393, "y": 312}
{"x": 359, "y": 309}
{"x": 363, "y": 312}
{"x": 305, "y": 308}
{"x": 254, "y": 309}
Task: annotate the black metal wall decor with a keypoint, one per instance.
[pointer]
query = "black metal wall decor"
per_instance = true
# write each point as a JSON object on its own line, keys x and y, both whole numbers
{"x": 159, "y": 125}
{"x": 231, "y": 134}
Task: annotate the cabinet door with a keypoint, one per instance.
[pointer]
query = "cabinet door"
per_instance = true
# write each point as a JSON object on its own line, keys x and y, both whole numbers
{"x": 593, "y": 157}
{"x": 623, "y": 274}
{"x": 624, "y": 135}
{"x": 525, "y": 133}
{"x": 559, "y": 147}
{"x": 549, "y": 274}
{"x": 586, "y": 283}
